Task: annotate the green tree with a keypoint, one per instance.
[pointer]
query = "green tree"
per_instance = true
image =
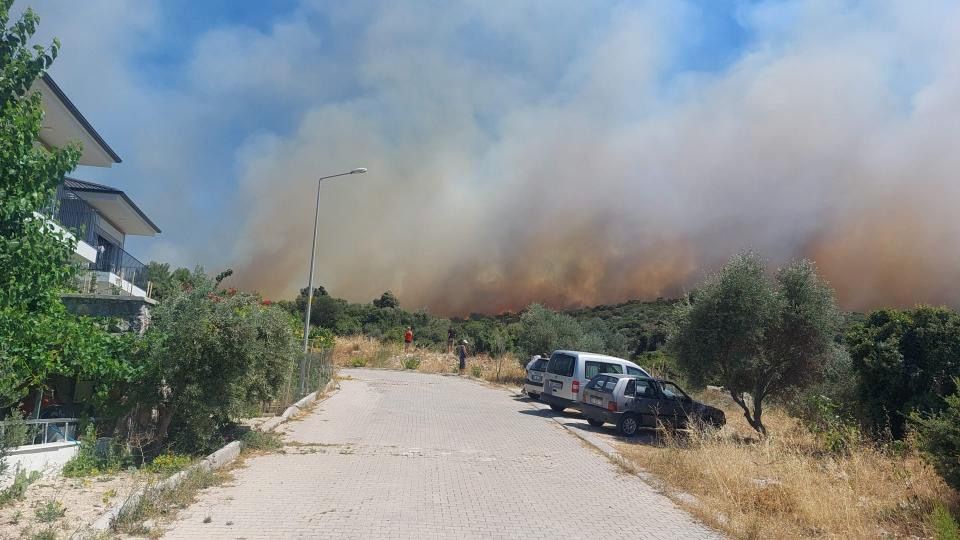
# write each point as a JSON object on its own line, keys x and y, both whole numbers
{"x": 759, "y": 338}
{"x": 208, "y": 355}
{"x": 939, "y": 436}
{"x": 37, "y": 336}
{"x": 907, "y": 360}
{"x": 387, "y": 300}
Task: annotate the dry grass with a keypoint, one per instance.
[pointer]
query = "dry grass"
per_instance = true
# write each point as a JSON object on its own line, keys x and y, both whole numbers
{"x": 360, "y": 351}
{"x": 788, "y": 486}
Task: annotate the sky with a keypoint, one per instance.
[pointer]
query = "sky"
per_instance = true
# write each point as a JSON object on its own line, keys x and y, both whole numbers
{"x": 567, "y": 151}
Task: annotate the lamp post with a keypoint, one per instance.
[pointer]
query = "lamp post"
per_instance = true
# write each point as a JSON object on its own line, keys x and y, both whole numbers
{"x": 313, "y": 252}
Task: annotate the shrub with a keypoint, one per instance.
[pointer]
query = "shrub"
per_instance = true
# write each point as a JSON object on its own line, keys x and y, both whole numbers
{"x": 50, "y": 511}
{"x": 411, "y": 363}
{"x": 939, "y": 438}
{"x": 476, "y": 370}
{"x": 906, "y": 361}
{"x": 167, "y": 464}
{"x": 260, "y": 440}
{"x": 91, "y": 461}
{"x": 358, "y": 362}
{"x": 18, "y": 488}
{"x": 944, "y": 526}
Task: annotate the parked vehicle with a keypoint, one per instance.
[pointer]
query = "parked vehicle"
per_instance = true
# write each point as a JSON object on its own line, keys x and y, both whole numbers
{"x": 568, "y": 371}
{"x": 533, "y": 383}
{"x": 632, "y": 403}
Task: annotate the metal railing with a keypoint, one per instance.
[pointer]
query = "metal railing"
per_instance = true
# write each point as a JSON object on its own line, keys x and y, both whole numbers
{"x": 83, "y": 220}
{"x": 114, "y": 259}
{"x": 75, "y": 214}
{"x": 48, "y": 430}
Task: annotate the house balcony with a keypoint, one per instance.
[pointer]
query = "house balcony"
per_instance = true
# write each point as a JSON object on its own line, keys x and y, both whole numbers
{"x": 109, "y": 269}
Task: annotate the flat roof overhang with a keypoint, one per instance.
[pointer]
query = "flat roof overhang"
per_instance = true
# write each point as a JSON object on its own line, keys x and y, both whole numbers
{"x": 63, "y": 124}
{"x": 119, "y": 210}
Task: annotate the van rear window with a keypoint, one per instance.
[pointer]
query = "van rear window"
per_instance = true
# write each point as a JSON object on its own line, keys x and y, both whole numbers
{"x": 562, "y": 364}
{"x": 591, "y": 369}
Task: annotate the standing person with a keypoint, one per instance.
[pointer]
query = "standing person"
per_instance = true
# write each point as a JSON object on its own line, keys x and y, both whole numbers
{"x": 407, "y": 339}
{"x": 451, "y": 337}
{"x": 462, "y": 355}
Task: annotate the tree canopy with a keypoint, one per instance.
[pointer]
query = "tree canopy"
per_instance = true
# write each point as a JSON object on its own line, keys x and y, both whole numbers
{"x": 38, "y": 337}
{"x": 757, "y": 337}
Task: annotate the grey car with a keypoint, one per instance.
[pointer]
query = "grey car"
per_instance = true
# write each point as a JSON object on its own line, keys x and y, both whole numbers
{"x": 631, "y": 403}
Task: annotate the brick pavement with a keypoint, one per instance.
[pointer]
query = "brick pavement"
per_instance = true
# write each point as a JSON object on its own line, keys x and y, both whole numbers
{"x": 408, "y": 455}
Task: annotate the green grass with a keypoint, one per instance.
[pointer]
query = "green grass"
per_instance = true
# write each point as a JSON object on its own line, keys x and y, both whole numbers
{"x": 944, "y": 525}
{"x": 262, "y": 441}
{"x": 164, "y": 503}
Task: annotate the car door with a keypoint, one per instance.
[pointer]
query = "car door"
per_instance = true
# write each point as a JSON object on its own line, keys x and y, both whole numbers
{"x": 646, "y": 402}
{"x": 678, "y": 402}
{"x": 558, "y": 378}
{"x": 672, "y": 405}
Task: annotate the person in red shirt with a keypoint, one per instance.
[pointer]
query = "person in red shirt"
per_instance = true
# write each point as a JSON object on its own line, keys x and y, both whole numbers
{"x": 407, "y": 339}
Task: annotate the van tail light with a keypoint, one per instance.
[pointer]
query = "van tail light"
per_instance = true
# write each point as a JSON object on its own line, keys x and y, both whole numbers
{"x": 612, "y": 406}
{"x": 575, "y": 386}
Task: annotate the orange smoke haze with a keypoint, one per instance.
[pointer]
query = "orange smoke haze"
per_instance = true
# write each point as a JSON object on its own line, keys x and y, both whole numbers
{"x": 631, "y": 178}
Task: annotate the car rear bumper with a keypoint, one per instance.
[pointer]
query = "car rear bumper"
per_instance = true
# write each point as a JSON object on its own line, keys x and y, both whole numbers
{"x": 599, "y": 413}
{"x": 528, "y": 382}
{"x": 551, "y": 399}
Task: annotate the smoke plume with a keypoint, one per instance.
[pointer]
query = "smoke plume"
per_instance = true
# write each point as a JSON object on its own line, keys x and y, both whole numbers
{"x": 584, "y": 164}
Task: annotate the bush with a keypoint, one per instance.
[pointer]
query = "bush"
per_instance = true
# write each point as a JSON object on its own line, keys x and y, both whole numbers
{"x": 167, "y": 464}
{"x": 91, "y": 462}
{"x": 411, "y": 363}
{"x": 906, "y": 361}
{"x": 476, "y": 370}
{"x": 944, "y": 526}
{"x": 18, "y": 488}
{"x": 939, "y": 438}
{"x": 358, "y": 362}
{"x": 260, "y": 440}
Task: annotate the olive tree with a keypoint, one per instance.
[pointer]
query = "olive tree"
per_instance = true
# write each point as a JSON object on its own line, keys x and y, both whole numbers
{"x": 209, "y": 355}
{"x": 758, "y": 337}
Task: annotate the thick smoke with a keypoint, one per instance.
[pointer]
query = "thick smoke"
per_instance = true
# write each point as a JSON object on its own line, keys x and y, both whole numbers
{"x": 592, "y": 166}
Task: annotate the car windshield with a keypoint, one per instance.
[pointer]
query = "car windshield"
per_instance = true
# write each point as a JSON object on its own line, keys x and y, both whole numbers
{"x": 539, "y": 365}
{"x": 672, "y": 391}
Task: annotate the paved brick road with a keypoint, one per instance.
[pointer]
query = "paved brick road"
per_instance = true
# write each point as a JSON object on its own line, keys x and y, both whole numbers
{"x": 406, "y": 455}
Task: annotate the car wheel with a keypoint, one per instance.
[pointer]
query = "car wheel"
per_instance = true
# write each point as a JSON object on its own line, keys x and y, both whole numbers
{"x": 628, "y": 425}
{"x": 594, "y": 423}
{"x": 557, "y": 408}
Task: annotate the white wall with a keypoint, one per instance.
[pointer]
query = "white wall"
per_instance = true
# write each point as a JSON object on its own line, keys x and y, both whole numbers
{"x": 48, "y": 458}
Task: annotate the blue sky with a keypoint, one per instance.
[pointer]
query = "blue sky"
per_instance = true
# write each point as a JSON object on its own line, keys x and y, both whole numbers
{"x": 472, "y": 117}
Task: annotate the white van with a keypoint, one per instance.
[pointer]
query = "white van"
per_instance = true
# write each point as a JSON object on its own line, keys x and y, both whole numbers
{"x": 569, "y": 371}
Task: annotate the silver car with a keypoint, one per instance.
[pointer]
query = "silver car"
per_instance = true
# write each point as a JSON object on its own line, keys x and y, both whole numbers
{"x": 533, "y": 384}
{"x": 632, "y": 403}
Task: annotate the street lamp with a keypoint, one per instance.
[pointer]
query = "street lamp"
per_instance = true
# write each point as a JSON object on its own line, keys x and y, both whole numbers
{"x": 313, "y": 251}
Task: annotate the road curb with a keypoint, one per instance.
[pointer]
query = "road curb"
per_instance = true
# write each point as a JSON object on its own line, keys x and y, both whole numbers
{"x": 216, "y": 460}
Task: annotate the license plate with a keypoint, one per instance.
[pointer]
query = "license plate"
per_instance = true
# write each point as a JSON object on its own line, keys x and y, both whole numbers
{"x": 595, "y": 400}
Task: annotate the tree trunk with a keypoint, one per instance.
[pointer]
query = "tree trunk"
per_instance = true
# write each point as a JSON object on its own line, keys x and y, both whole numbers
{"x": 754, "y": 417}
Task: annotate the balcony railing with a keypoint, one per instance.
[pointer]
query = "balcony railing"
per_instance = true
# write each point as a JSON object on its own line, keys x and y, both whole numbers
{"x": 123, "y": 264}
{"x": 76, "y": 215}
